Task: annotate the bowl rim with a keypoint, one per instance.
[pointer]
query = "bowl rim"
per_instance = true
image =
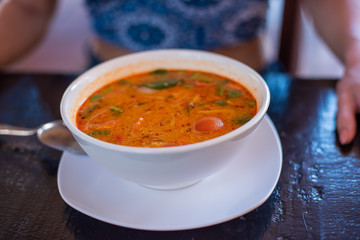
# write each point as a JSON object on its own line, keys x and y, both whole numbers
{"x": 173, "y": 149}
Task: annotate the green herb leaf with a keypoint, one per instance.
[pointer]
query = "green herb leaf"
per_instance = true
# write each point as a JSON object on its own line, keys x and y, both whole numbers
{"x": 116, "y": 111}
{"x": 241, "y": 120}
{"x": 221, "y": 102}
{"x": 252, "y": 103}
{"x": 107, "y": 90}
{"x": 189, "y": 86}
{"x": 87, "y": 112}
{"x": 221, "y": 88}
{"x": 232, "y": 93}
{"x": 123, "y": 82}
{"x": 159, "y": 71}
{"x": 205, "y": 79}
{"x": 197, "y": 74}
{"x": 99, "y": 133}
{"x": 96, "y": 97}
{"x": 162, "y": 84}
{"x": 113, "y": 108}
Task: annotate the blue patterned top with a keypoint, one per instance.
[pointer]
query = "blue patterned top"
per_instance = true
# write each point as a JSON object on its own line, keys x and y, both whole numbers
{"x": 195, "y": 24}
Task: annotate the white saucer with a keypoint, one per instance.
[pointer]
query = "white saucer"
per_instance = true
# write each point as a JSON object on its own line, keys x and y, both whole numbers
{"x": 239, "y": 188}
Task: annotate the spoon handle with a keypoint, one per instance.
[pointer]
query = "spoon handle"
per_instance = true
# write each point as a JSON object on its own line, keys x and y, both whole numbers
{"x": 6, "y": 129}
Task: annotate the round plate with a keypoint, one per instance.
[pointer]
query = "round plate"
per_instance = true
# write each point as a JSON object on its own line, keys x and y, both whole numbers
{"x": 236, "y": 190}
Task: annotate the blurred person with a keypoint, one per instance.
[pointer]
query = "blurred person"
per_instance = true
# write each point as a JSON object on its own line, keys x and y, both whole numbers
{"x": 231, "y": 27}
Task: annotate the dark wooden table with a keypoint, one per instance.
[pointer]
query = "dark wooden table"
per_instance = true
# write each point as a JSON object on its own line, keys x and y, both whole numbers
{"x": 317, "y": 196}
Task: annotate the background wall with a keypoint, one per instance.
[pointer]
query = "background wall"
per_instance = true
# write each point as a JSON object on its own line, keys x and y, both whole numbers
{"x": 315, "y": 58}
{"x": 65, "y": 47}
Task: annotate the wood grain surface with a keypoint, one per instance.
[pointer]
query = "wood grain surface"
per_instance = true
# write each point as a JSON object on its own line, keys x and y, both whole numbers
{"x": 317, "y": 196}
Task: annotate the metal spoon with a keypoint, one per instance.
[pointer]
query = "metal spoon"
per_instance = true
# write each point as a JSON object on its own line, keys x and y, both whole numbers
{"x": 53, "y": 134}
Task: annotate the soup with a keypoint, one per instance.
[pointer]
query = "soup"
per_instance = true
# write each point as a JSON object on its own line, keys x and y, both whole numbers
{"x": 166, "y": 108}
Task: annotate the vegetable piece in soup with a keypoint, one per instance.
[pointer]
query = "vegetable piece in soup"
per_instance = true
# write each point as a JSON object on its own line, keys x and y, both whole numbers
{"x": 166, "y": 108}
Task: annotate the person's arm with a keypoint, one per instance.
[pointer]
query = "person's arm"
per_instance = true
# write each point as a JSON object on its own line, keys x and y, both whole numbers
{"x": 23, "y": 23}
{"x": 338, "y": 23}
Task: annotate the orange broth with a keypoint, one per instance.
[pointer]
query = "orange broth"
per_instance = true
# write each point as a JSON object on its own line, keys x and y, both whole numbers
{"x": 166, "y": 108}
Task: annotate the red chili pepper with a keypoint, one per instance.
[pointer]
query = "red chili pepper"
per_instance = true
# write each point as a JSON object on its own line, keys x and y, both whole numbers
{"x": 118, "y": 138}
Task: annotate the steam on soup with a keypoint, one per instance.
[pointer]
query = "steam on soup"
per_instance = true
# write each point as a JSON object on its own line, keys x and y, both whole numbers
{"x": 166, "y": 108}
